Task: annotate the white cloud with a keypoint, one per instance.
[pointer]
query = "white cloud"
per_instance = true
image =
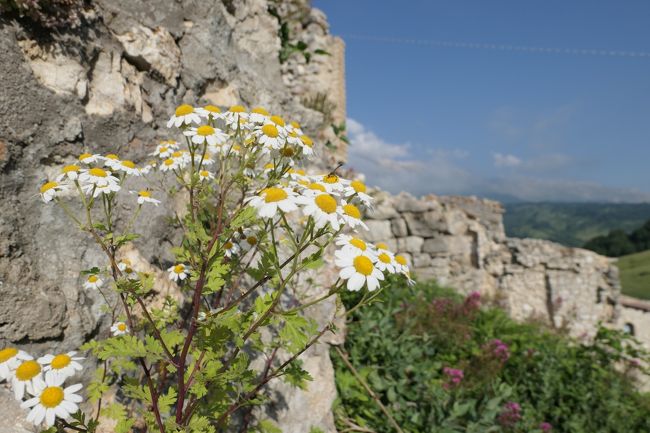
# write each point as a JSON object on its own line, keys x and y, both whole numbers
{"x": 501, "y": 160}
{"x": 393, "y": 167}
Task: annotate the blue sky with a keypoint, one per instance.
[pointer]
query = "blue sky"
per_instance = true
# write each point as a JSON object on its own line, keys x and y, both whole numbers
{"x": 493, "y": 121}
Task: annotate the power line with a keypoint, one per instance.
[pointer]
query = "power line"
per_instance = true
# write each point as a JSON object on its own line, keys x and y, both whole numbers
{"x": 498, "y": 47}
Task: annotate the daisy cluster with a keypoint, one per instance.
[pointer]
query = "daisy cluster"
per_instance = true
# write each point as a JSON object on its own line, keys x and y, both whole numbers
{"x": 38, "y": 383}
{"x": 269, "y": 149}
{"x": 95, "y": 175}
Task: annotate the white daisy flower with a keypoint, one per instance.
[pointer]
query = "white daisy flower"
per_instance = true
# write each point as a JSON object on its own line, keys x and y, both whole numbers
{"x": 307, "y": 145}
{"x": 207, "y": 134}
{"x": 148, "y": 167}
{"x": 179, "y": 272}
{"x": 401, "y": 265}
{"x": 52, "y": 401}
{"x": 88, "y": 158}
{"x": 127, "y": 270}
{"x": 98, "y": 181}
{"x": 332, "y": 182}
{"x": 51, "y": 189}
{"x": 128, "y": 167}
{"x": 296, "y": 174}
{"x": 294, "y": 126}
{"x": 351, "y": 215}
{"x": 230, "y": 249}
{"x": 357, "y": 245}
{"x": 210, "y": 112}
{"x": 258, "y": 115}
{"x": 248, "y": 240}
{"x": 10, "y": 359}
{"x": 322, "y": 207}
{"x": 111, "y": 160}
{"x": 294, "y": 139}
{"x": 93, "y": 282}
{"x": 165, "y": 149}
{"x": 207, "y": 157}
{"x": 358, "y": 270}
{"x": 70, "y": 172}
{"x": 269, "y": 136}
{"x": 358, "y": 189}
{"x": 205, "y": 175}
{"x": 184, "y": 115}
{"x": 144, "y": 196}
{"x": 280, "y": 125}
{"x": 119, "y": 328}
{"x": 170, "y": 164}
{"x": 385, "y": 261}
{"x": 236, "y": 116}
{"x": 313, "y": 188}
{"x": 61, "y": 366}
{"x": 269, "y": 200}
{"x": 26, "y": 376}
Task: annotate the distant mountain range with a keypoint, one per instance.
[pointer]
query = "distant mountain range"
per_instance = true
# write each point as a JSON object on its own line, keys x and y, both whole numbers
{"x": 572, "y": 224}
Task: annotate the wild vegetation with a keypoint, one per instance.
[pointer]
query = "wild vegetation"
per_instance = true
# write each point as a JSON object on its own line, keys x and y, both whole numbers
{"x": 572, "y": 224}
{"x": 426, "y": 360}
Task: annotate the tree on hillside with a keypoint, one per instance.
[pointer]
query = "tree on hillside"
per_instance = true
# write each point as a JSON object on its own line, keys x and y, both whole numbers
{"x": 615, "y": 244}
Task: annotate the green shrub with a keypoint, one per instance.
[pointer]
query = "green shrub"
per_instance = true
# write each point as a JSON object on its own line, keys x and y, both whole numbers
{"x": 441, "y": 363}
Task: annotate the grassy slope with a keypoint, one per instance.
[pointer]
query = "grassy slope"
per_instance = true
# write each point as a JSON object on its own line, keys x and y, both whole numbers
{"x": 572, "y": 224}
{"x": 635, "y": 274}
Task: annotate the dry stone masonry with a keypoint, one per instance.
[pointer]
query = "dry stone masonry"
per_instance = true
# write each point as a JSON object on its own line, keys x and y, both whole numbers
{"x": 460, "y": 242}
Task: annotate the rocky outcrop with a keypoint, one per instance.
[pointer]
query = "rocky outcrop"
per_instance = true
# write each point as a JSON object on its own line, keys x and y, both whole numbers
{"x": 110, "y": 85}
{"x": 461, "y": 243}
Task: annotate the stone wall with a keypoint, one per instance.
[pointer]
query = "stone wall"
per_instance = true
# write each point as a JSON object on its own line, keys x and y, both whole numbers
{"x": 461, "y": 243}
{"x": 110, "y": 85}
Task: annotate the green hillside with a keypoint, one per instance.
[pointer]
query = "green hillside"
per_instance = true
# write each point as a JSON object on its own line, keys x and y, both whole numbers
{"x": 572, "y": 224}
{"x": 635, "y": 274}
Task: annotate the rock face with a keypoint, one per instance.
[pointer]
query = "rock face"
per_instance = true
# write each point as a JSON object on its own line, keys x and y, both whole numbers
{"x": 460, "y": 242}
{"x": 110, "y": 85}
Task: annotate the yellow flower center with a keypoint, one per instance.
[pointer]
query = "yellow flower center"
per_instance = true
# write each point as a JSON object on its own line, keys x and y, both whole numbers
{"x": 204, "y": 173}
{"x": 352, "y": 210}
{"x": 48, "y": 186}
{"x": 260, "y": 110}
{"x": 7, "y": 353}
{"x": 384, "y": 258}
{"x": 272, "y": 195}
{"x": 168, "y": 162}
{"x": 163, "y": 150}
{"x": 205, "y": 130}
{"x": 363, "y": 265}
{"x": 237, "y": 109}
{"x": 212, "y": 109}
{"x": 277, "y": 120}
{"x": 293, "y": 134}
{"x": 287, "y": 151}
{"x": 112, "y": 156}
{"x": 356, "y": 242}
{"x": 306, "y": 141}
{"x": 28, "y": 370}
{"x": 252, "y": 240}
{"x": 128, "y": 164}
{"x": 51, "y": 397}
{"x": 84, "y": 156}
{"x": 227, "y": 245}
{"x": 295, "y": 124}
{"x": 382, "y": 246}
{"x": 179, "y": 269}
{"x": 93, "y": 279}
{"x": 317, "y": 187}
{"x": 97, "y": 172}
{"x": 177, "y": 154}
{"x": 326, "y": 203}
{"x": 401, "y": 260}
{"x": 70, "y": 168}
{"x": 358, "y": 186}
{"x": 270, "y": 130}
{"x": 145, "y": 193}
{"x": 121, "y": 327}
{"x": 269, "y": 166}
{"x": 184, "y": 110}
{"x": 330, "y": 178}
{"x": 60, "y": 361}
